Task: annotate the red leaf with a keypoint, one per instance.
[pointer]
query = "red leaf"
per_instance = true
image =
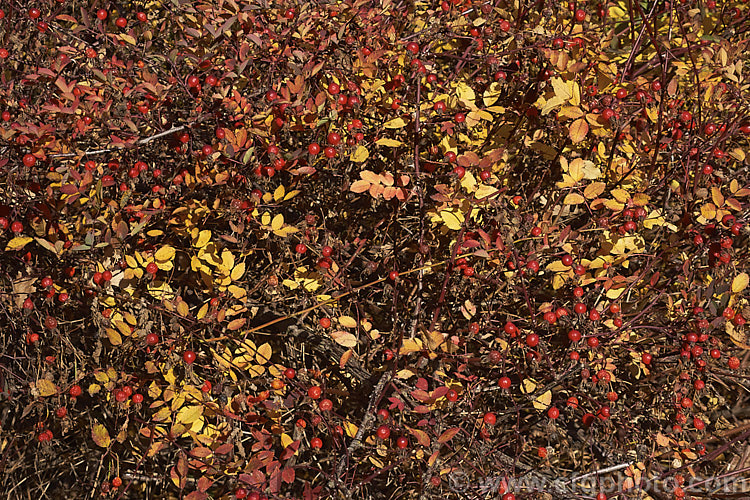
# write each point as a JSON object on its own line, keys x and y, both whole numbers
{"x": 224, "y": 449}
{"x": 204, "y": 483}
{"x": 420, "y": 395}
{"x": 440, "y": 392}
{"x": 287, "y": 475}
{"x": 201, "y": 452}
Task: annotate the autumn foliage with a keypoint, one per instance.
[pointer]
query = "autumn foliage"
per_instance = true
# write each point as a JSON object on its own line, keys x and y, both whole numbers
{"x": 431, "y": 249}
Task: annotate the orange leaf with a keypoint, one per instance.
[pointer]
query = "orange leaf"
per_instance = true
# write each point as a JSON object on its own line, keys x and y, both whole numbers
{"x": 578, "y": 130}
{"x": 359, "y": 186}
{"x": 448, "y": 435}
{"x": 236, "y": 324}
{"x": 422, "y": 437}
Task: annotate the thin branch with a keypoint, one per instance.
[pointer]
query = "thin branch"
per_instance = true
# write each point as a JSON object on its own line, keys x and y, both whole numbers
{"x": 139, "y": 142}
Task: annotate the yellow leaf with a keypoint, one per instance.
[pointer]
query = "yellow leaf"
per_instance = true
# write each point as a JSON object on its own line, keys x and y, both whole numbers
{"x": 202, "y": 312}
{"x": 594, "y": 189}
{"x": 620, "y": 195}
{"x": 277, "y": 222}
{"x": 122, "y": 326}
{"x": 478, "y": 115}
{"x": 343, "y": 338}
{"x": 202, "y": 239}
{"x": 360, "y": 154}
{"x": 165, "y": 253}
{"x": 263, "y": 355}
{"x": 716, "y": 196}
{"x": 641, "y": 199}
{"x": 571, "y": 112}
{"x": 708, "y": 211}
{"x": 18, "y": 243}
{"x": 578, "y": 130}
{"x": 573, "y": 199}
{"x": 410, "y": 345}
{"x": 614, "y": 205}
{"x": 435, "y": 339}
{"x": 182, "y": 308}
{"x": 265, "y": 219}
{"x": 389, "y": 143}
{"x": 227, "y": 260}
{"x": 558, "y": 282}
{"x": 405, "y": 374}
{"x": 738, "y": 154}
{"x": 350, "y": 428}
{"x": 292, "y": 194}
{"x": 237, "y": 292}
{"x": 285, "y": 231}
{"x": 46, "y": 388}
{"x": 169, "y": 376}
{"x": 286, "y": 440}
{"x": 562, "y": 90}
{"x": 189, "y": 414}
{"x": 100, "y": 435}
{"x": 543, "y": 401}
{"x": 551, "y": 104}
{"x": 567, "y": 181}
{"x": 278, "y": 195}
{"x": 575, "y": 90}
{"x": 739, "y": 283}
{"x": 492, "y": 94}
{"x": 127, "y": 38}
{"x": 165, "y": 265}
{"x": 113, "y": 336}
{"x": 237, "y": 271}
{"x": 485, "y": 191}
{"x": 575, "y": 169}
{"x": 154, "y": 391}
{"x": 256, "y": 370}
{"x": 347, "y": 321}
{"x": 469, "y": 182}
{"x": 589, "y": 170}
{"x": 451, "y": 220}
{"x": 395, "y": 123}
{"x": 466, "y": 95}
{"x": 556, "y": 266}
{"x": 527, "y": 386}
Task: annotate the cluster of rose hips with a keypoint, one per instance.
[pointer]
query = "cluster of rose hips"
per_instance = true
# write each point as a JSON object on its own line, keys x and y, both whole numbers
{"x": 720, "y": 239}
{"x": 384, "y": 430}
{"x": 324, "y": 262}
